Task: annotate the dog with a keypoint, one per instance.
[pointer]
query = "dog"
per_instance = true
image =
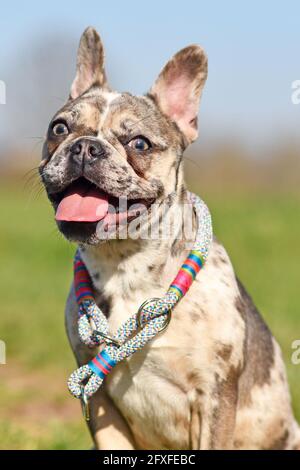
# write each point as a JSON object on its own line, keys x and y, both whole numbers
{"x": 215, "y": 378}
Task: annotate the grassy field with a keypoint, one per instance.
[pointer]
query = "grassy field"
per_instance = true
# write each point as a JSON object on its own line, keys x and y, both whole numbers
{"x": 261, "y": 233}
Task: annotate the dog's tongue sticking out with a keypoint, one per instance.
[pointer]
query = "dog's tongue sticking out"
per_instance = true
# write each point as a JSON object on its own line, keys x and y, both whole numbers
{"x": 82, "y": 203}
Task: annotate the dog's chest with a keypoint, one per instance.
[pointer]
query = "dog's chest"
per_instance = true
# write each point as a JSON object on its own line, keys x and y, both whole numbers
{"x": 155, "y": 388}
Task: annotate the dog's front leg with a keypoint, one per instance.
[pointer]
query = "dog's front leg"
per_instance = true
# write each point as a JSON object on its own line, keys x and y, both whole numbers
{"x": 108, "y": 428}
{"x": 218, "y": 415}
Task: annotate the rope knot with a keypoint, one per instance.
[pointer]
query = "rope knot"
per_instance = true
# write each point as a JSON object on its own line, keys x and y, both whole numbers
{"x": 154, "y": 308}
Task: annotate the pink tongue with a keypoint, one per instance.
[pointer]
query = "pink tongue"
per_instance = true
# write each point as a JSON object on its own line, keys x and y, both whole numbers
{"x": 82, "y": 204}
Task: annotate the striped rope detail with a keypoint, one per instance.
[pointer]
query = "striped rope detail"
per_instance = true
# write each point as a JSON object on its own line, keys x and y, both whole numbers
{"x": 176, "y": 290}
{"x": 102, "y": 364}
{"x": 197, "y": 258}
{"x": 187, "y": 273}
{"x": 82, "y": 282}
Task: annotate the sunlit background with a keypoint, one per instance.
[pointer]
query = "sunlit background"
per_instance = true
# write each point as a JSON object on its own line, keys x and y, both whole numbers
{"x": 245, "y": 165}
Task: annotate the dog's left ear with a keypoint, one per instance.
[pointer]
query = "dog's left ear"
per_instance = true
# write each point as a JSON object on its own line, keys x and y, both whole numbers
{"x": 178, "y": 88}
{"x": 90, "y": 64}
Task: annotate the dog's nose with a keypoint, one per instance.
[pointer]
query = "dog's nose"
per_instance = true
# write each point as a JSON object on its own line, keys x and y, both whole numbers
{"x": 86, "y": 151}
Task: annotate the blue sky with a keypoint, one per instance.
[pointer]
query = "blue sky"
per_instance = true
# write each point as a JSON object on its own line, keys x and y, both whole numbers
{"x": 253, "y": 49}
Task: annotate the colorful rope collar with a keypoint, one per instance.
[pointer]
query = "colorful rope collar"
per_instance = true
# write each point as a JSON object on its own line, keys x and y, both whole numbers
{"x": 152, "y": 317}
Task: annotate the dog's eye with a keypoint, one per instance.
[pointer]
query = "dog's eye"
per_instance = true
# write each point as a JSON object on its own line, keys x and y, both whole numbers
{"x": 60, "y": 128}
{"x": 140, "y": 144}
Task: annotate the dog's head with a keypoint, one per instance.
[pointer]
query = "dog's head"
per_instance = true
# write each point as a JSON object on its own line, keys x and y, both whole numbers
{"x": 103, "y": 145}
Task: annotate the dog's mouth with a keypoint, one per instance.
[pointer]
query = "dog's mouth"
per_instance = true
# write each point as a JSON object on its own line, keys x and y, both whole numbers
{"x": 84, "y": 202}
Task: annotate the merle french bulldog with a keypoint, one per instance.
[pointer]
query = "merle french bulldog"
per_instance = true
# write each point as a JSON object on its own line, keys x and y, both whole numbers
{"x": 215, "y": 378}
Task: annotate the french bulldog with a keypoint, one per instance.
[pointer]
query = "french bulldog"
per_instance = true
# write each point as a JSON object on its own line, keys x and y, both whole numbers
{"x": 215, "y": 378}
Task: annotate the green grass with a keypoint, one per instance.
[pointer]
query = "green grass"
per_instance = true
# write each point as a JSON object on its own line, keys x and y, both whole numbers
{"x": 261, "y": 234}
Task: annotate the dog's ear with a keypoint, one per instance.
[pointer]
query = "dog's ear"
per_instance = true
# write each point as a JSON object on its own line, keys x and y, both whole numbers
{"x": 178, "y": 88}
{"x": 90, "y": 64}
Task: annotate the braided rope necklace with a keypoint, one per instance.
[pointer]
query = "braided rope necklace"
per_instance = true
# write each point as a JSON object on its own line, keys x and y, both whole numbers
{"x": 152, "y": 317}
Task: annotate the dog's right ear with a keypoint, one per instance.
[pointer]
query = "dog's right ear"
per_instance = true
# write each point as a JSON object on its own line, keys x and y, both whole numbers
{"x": 90, "y": 64}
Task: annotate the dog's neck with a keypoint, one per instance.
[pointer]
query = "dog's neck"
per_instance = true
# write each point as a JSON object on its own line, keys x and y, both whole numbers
{"x": 128, "y": 265}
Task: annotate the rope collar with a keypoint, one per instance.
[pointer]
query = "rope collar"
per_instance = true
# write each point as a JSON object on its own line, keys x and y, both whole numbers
{"x": 152, "y": 317}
